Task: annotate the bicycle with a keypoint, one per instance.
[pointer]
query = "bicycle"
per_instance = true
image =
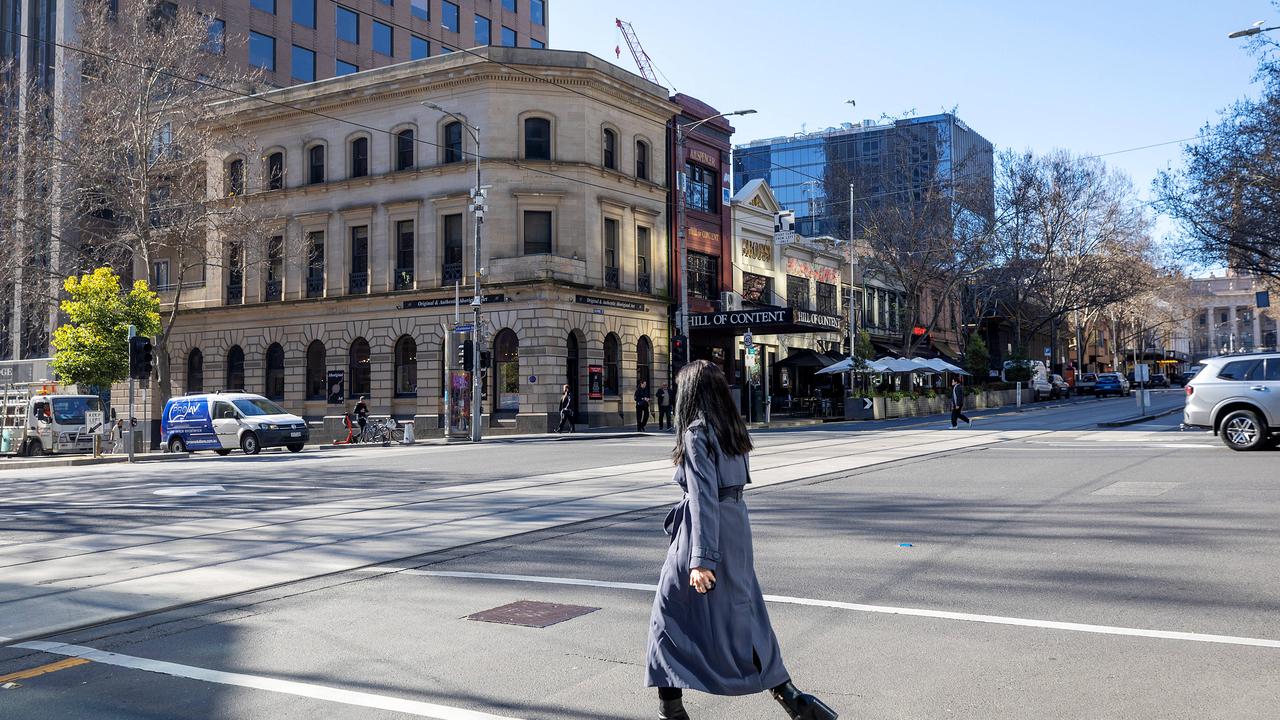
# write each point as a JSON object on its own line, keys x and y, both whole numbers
{"x": 384, "y": 430}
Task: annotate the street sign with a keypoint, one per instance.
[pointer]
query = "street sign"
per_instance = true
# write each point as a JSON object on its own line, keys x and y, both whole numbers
{"x": 784, "y": 227}
{"x": 93, "y": 420}
{"x": 746, "y": 337}
{"x": 1263, "y": 298}
{"x": 1048, "y": 352}
{"x": 463, "y": 327}
{"x": 1142, "y": 372}
{"x": 866, "y": 403}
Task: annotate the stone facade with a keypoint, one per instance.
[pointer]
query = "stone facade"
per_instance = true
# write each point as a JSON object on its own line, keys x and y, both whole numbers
{"x": 591, "y": 285}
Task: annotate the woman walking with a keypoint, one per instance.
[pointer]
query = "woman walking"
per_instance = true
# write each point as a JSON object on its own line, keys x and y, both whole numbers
{"x": 710, "y": 629}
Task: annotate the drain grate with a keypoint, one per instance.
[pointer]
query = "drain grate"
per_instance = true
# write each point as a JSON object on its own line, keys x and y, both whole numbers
{"x": 529, "y": 613}
{"x": 1136, "y": 489}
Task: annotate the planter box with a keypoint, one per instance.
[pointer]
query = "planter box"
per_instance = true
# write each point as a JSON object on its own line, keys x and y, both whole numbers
{"x": 883, "y": 408}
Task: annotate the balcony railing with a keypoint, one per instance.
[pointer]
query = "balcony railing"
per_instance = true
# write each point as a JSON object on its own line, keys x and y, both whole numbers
{"x": 611, "y": 277}
{"x": 315, "y": 287}
{"x": 273, "y": 291}
{"x": 404, "y": 279}
{"x": 235, "y": 293}
{"x": 358, "y": 283}
{"x": 643, "y": 283}
{"x": 451, "y": 273}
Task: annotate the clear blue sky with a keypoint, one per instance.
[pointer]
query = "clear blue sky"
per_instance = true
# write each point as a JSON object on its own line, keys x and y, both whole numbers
{"x": 1091, "y": 76}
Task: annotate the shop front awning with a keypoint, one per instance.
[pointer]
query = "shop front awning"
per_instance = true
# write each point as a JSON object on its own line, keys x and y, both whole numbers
{"x": 806, "y": 358}
{"x": 764, "y": 321}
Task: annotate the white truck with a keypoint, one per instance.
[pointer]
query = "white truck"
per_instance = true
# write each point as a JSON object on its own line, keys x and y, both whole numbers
{"x": 41, "y": 419}
{"x": 1040, "y": 385}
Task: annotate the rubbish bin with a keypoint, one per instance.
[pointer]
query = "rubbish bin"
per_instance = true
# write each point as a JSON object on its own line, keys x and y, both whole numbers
{"x": 408, "y": 433}
{"x": 6, "y": 441}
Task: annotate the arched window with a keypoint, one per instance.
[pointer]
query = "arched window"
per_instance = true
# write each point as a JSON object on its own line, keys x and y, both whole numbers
{"x": 506, "y": 371}
{"x": 195, "y": 371}
{"x": 275, "y": 171}
{"x": 358, "y": 370}
{"x": 571, "y": 369}
{"x": 644, "y": 361}
{"x": 234, "y": 181}
{"x": 235, "y": 368}
{"x": 642, "y": 160}
{"x": 275, "y": 372}
{"x": 315, "y": 164}
{"x": 537, "y": 138}
{"x": 610, "y": 149}
{"x": 404, "y": 149}
{"x": 453, "y": 142}
{"x": 406, "y": 367}
{"x": 612, "y": 361}
{"x": 359, "y": 157}
{"x": 317, "y": 371}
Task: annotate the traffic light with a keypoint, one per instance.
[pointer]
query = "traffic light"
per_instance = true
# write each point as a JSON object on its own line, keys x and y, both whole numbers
{"x": 141, "y": 359}
{"x": 678, "y": 348}
{"x": 467, "y": 349}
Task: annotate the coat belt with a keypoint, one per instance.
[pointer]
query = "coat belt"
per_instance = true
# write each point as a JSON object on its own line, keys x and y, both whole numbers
{"x": 675, "y": 517}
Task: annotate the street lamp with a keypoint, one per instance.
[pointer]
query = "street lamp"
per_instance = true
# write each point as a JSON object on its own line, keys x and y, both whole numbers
{"x": 1255, "y": 30}
{"x": 478, "y": 209}
{"x": 682, "y": 132}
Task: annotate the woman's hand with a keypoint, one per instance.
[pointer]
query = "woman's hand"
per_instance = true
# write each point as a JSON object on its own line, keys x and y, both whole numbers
{"x": 702, "y": 579}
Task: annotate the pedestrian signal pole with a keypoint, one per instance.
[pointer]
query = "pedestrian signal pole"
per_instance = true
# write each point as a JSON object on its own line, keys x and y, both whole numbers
{"x": 128, "y": 433}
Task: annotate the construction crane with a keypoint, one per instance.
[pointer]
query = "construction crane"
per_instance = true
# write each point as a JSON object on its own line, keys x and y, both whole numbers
{"x": 637, "y": 51}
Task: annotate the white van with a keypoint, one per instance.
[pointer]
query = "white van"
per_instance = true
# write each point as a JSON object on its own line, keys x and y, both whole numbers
{"x": 222, "y": 422}
{"x": 1040, "y": 385}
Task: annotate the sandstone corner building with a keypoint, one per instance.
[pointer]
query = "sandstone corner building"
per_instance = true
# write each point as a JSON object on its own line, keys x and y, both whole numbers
{"x": 352, "y": 280}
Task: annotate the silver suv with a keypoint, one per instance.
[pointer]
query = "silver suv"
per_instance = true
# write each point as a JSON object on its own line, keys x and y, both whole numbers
{"x": 1238, "y": 396}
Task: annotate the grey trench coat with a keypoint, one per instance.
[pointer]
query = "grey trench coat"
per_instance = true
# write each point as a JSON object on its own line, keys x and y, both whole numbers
{"x": 721, "y": 642}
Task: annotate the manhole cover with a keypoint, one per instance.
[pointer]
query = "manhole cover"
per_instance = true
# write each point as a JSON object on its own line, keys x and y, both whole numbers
{"x": 1137, "y": 489}
{"x": 532, "y": 614}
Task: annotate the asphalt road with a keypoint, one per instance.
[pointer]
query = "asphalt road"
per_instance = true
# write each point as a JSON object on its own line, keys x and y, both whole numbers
{"x": 1032, "y": 566}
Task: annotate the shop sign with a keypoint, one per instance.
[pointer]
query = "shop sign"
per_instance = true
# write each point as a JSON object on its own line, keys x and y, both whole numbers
{"x": 813, "y": 318}
{"x": 702, "y": 157}
{"x": 757, "y": 251}
{"x": 17, "y": 371}
{"x": 335, "y": 381}
{"x": 448, "y": 302}
{"x": 595, "y": 382}
{"x": 610, "y": 302}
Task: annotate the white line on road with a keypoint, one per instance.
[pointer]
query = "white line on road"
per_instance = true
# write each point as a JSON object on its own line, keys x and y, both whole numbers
{"x": 916, "y": 612}
{"x": 257, "y": 682}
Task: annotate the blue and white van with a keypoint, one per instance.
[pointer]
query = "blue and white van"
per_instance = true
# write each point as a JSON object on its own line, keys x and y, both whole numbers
{"x": 222, "y": 422}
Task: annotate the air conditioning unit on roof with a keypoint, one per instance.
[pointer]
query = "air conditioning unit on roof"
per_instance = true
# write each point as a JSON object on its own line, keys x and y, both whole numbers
{"x": 730, "y": 300}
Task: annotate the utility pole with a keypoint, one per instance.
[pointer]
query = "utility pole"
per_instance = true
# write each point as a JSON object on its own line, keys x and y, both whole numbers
{"x": 133, "y": 331}
{"x": 478, "y": 209}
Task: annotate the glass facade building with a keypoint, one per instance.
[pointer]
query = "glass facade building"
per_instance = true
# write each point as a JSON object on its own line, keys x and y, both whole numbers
{"x": 811, "y": 173}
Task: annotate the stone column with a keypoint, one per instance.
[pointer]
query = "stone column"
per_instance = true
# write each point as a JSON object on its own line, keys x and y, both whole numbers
{"x": 1233, "y": 332}
{"x": 1213, "y": 329}
{"x": 1257, "y": 330}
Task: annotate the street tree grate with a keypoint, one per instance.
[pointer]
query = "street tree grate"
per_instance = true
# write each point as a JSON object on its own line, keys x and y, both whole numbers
{"x": 1136, "y": 489}
{"x": 529, "y": 613}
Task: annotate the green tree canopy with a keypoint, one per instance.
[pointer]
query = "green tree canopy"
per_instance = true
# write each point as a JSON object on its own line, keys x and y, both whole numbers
{"x": 92, "y": 347}
{"x": 977, "y": 358}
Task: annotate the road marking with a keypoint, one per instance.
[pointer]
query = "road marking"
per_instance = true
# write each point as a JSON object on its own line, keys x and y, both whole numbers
{"x": 257, "y": 682}
{"x": 883, "y": 609}
{"x": 44, "y": 669}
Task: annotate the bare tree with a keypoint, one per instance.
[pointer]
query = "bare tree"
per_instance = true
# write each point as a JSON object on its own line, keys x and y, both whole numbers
{"x": 923, "y": 222}
{"x": 1226, "y": 195}
{"x": 134, "y": 174}
{"x": 1069, "y": 235}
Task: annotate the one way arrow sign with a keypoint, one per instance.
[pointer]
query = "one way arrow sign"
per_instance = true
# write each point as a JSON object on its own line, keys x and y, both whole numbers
{"x": 866, "y": 403}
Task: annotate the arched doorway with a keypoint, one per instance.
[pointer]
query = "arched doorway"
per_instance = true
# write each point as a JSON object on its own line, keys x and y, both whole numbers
{"x": 571, "y": 368}
{"x": 505, "y": 401}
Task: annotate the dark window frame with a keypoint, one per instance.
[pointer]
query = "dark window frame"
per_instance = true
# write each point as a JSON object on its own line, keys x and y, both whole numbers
{"x": 254, "y": 35}
{"x": 358, "y": 154}
{"x": 454, "y": 23}
{"x": 317, "y": 371}
{"x": 274, "y": 375}
{"x": 612, "y": 365}
{"x": 275, "y": 170}
{"x": 195, "y": 371}
{"x": 352, "y": 19}
{"x": 642, "y": 160}
{"x": 704, "y": 275}
{"x": 542, "y": 248}
{"x": 537, "y": 146}
{"x": 405, "y": 369}
{"x": 609, "y": 148}
{"x": 359, "y": 368}
{"x": 316, "y": 162}
{"x": 405, "y": 146}
{"x": 380, "y": 27}
{"x": 452, "y": 145}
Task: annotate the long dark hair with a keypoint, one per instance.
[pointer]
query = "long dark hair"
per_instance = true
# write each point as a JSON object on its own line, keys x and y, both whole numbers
{"x": 703, "y": 392}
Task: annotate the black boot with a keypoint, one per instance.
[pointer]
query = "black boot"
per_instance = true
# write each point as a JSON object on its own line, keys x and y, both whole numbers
{"x": 672, "y": 710}
{"x": 802, "y": 706}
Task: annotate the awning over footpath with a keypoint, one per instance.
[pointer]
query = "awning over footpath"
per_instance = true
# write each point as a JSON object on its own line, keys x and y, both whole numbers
{"x": 806, "y": 358}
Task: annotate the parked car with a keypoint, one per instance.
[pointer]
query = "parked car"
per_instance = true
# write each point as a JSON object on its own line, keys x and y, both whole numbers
{"x": 1238, "y": 397}
{"x": 1111, "y": 384}
{"x": 1060, "y": 387}
{"x": 1085, "y": 383}
{"x": 1039, "y": 384}
{"x": 223, "y": 421}
{"x": 1159, "y": 380}
{"x": 1185, "y": 377}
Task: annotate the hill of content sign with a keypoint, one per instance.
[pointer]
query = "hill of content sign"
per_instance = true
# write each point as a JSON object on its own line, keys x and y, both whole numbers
{"x": 771, "y": 320}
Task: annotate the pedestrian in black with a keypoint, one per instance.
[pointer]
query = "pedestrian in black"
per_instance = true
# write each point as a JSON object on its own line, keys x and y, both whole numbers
{"x": 710, "y": 630}
{"x": 957, "y": 404}
{"x": 663, "y": 396}
{"x": 566, "y": 411}
{"x": 642, "y": 405}
{"x": 361, "y": 412}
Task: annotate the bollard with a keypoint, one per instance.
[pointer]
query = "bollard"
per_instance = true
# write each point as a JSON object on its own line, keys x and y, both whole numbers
{"x": 408, "y": 433}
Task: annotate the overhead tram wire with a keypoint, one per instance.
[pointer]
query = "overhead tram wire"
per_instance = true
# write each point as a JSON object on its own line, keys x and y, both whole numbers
{"x": 256, "y": 96}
